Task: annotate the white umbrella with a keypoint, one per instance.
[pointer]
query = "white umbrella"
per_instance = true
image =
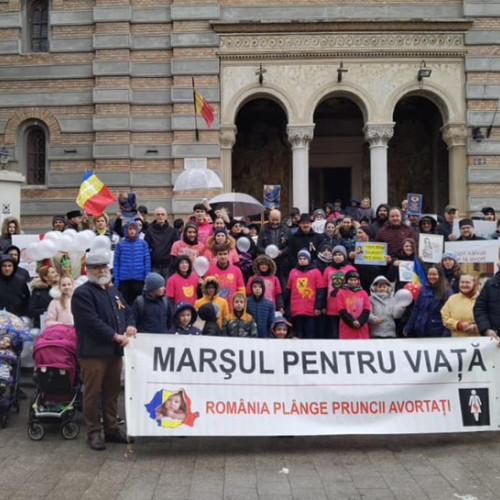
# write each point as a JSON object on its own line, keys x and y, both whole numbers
{"x": 239, "y": 204}
{"x": 197, "y": 178}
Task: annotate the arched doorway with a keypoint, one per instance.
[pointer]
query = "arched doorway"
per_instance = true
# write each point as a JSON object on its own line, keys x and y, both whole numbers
{"x": 417, "y": 156}
{"x": 338, "y": 156}
{"x": 261, "y": 154}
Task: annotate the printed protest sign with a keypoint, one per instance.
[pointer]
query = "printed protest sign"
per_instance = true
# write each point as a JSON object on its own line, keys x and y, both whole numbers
{"x": 474, "y": 251}
{"x": 373, "y": 254}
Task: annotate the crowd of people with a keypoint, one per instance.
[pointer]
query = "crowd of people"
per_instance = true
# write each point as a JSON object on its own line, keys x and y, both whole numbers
{"x": 213, "y": 275}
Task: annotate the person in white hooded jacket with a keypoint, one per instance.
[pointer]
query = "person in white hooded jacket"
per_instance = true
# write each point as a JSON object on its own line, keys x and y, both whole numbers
{"x": 385, "y": 309}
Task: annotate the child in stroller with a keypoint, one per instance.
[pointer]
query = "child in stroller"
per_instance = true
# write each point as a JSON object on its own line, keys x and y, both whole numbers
{"x": 9, "y": 375}
{"x": 58, "y": 392}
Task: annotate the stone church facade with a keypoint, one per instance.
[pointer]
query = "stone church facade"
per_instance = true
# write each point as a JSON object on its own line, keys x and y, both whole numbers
{"x": 327, "y": 98}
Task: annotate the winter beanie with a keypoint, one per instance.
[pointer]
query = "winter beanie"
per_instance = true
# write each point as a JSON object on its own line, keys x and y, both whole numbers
{"x": 340, "y": 249}
{"x": 304, "y": 253}
{"x": 153, "y": 281}
{"x": 450, "y": 255}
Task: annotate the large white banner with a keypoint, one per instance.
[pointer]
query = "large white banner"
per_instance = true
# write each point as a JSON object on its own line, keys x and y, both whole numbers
{"x": 179, "y": 385}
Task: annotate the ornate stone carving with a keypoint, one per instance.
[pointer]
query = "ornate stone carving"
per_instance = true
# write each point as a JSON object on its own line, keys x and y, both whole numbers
{"x": 454, "y": 134}
{"x": 379, "y": 134}
{"x": 290, "y": 44}
{"x": 227, "y": 137}
{"x": 300, "y": 135}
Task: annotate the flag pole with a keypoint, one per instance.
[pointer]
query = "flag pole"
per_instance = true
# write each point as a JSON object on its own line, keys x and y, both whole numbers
{"x": 195, "y": 120}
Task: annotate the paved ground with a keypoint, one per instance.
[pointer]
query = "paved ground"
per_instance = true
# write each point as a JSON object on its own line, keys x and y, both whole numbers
{"x": 448, "y": 467}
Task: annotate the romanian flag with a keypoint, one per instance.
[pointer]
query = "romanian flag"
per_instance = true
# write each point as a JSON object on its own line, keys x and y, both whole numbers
{"x": 419, "y": 276}
{"x": 94, "y": 196}
{"x": 203, "y": 108}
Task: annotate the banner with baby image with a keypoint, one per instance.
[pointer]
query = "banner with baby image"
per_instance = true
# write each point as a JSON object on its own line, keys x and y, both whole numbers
{"x": 182, "y": 385}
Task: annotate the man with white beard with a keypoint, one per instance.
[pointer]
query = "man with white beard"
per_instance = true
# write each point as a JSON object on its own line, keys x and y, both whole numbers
{"x": 103, "y": 323}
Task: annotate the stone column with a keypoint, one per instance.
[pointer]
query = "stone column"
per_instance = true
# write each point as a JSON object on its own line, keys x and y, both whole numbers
{"x": 299, "y": 137}
{"x": 378, "y": 135}
{"x": 227, "y": 138}
{"x": 455, "y": 135}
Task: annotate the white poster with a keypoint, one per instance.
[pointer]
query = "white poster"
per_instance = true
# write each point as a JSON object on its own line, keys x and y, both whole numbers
{"x": 179, "y": 385}
{"x": 23, "y": 241}
{"x": 483, "y": 228}
{"x": 406, "y": 270}
{"x": 430, "y": 247}
{"x": 481, "y": 251}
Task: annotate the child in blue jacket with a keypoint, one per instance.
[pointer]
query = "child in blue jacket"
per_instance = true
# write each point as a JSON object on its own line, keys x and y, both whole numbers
{"x": 261, "y": 309}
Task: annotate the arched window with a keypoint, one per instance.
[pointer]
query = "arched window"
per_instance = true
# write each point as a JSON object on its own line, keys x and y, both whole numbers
{"x": 35, "y": 147}
{"x": 38, "y": 22}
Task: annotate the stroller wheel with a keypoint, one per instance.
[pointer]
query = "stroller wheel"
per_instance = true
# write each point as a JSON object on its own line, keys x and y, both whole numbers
{"x": 70, "y": 430}
{"x": 35, "y": 431}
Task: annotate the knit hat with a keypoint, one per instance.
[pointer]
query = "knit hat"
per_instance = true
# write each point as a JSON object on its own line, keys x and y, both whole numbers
{"x": 488, "y": 210}
{"x": 304, "y": 253}
{"x": 153, "y": 281}
{"x": 449, "y": 255}
{"x": 319, "y": 212}
{"x": 351, "y": 274}
{"x": 58, "y": 218}
{"x": 340, "y": 249}
{"x": 466, "y": 222}
{"x": 477, "y": 216}
{"x": 304, "y": 218}
{"x": 220, "y": 230}
{"x": 324, "y": 246}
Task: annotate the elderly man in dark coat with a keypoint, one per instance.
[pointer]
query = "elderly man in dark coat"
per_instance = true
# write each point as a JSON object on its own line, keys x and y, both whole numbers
{"x": 103, "y": 323}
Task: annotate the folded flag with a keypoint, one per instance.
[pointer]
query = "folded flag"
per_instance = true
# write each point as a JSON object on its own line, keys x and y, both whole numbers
{"x": 204, "y": 109}
{"x": 419, "y": 276}
{"x": 94, "y": 196}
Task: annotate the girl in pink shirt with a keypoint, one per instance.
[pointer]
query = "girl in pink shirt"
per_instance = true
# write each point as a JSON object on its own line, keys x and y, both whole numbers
{"x": 183, "y": 285}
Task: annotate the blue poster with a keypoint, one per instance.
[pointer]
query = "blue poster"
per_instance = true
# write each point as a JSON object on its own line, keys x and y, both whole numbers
{"x": 272, "y": 194}
{"x": 415, "y": 202}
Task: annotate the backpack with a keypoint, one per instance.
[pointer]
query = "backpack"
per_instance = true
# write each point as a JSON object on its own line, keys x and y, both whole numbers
{"x": 140, "y": 306}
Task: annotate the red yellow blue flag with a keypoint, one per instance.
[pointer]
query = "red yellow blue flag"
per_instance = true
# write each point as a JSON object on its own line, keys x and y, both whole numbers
{"x": 204, "y": 109}
{"x": 94, "y": 196}
{"x": 419, "y": 276}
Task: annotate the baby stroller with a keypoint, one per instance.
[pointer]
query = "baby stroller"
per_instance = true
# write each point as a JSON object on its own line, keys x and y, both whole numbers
{"x": 13, "y": 332}
{"x": 56, "y": 377}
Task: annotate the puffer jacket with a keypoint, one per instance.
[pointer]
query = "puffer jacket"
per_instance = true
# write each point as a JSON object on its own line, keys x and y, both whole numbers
{"x": 240, "y": 325}
{"x": 385, "y": 308}
{"x": 262, "y": 311}
{"x": 132, "y": 260}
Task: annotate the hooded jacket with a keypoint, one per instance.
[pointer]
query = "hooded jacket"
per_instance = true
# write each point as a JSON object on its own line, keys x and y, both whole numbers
{"x": 152, "y": 314}
{"x": 178, "y": 329}
{"x": 273, "y": 289}
{"x": 14, "y": 293}
{"x": 19, "y": 270}
{"x": 262, "y": 310}
{"x": 208, "y": 314}
{"x": 184, "y": 246}
{"x": 132, "y": 260}
{"x": 240, "y": 325}
{"x": 385, "y": 310}
{"x": 221, "y": 305}
{"x": 182, "y": 288}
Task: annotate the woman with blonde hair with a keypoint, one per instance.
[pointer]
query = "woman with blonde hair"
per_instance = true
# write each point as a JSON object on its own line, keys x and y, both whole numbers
{"x": 59, "y": 310}
{"x": 40, "y": 299}
{"x": 457, "y": 313}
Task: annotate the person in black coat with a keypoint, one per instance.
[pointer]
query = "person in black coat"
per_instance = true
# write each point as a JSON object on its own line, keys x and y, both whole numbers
{"x": 103, "y": 323}
{"x": 487, "y": 308}
{"x": 305, "y": 237}
{"x": 14, "y": 293}
{"x": 40, "y": 293}
{"x": 16, "y": 253}
{"x": 208, "y": 314}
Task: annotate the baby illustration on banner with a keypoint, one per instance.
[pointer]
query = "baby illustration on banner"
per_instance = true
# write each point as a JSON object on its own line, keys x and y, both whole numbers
{"x": 171, "y": 409}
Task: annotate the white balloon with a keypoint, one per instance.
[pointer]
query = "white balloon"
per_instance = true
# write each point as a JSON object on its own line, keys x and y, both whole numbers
{"x": 84, "y": 240}
{"x": 47, "y": 249}
{"x": 32, "y": 251}
{"x": 53, "y": 236}
{"x": 243, "y": 244}
{"x": 403, "y": 297}
{"x": 201, "y": 265}
{"x": 70, "y": 232}
{"x": 272, "y": 251}
{"x": 65, "y": 243}
{"x": 100, "y": 242}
